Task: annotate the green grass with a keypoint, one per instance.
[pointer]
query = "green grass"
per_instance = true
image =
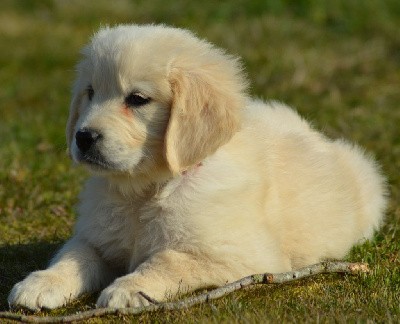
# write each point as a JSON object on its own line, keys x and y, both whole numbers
{"x": 337, "y": 62}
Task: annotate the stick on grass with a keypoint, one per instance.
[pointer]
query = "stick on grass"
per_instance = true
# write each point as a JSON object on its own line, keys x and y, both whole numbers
{"x": 265, "y": 278}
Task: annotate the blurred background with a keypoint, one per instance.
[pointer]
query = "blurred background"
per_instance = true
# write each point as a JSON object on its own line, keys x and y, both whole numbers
{"x": 336, "y": 61}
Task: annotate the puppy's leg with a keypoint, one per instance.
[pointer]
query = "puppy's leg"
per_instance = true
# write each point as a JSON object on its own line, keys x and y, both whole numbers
{"x": 164, "y": 274}
{"x": 75, "y": 269}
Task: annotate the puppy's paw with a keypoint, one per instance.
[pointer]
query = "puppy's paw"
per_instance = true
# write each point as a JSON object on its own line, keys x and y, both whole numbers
{"x": 41, "y": 289}
{"x": 122, "y": 294}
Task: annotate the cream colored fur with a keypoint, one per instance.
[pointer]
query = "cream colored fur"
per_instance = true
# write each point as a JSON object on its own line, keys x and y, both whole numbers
{"x": 202, "y": 185}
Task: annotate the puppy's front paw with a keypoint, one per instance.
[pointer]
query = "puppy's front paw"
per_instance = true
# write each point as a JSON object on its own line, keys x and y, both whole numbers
{"x": 121, "y": 294}
{"x": 41, "y": 289}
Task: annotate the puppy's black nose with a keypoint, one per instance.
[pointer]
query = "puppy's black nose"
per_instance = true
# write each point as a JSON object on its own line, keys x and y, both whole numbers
{"x": 86, "y": 138}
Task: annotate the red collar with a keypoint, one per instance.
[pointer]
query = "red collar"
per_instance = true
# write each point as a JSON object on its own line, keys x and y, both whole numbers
{"x": 198, "y": 165}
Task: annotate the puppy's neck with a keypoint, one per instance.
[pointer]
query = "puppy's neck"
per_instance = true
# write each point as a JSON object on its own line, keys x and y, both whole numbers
{"x": 142, "y": 185}
{"x": 151, "y": 184}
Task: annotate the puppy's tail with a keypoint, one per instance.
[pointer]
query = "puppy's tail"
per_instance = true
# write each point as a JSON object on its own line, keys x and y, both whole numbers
{"x": 372, "y": 187}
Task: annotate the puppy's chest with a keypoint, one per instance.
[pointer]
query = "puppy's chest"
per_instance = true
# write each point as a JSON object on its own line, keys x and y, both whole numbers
{"x": 127, "y": 233}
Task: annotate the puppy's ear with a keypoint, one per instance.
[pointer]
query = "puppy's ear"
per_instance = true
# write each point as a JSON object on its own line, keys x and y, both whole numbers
{"x": 205, "y": 110}
{"x": 73, "y": 117}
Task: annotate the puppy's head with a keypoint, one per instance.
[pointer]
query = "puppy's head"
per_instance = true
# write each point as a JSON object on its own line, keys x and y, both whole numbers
{"x": 152, "y": 96}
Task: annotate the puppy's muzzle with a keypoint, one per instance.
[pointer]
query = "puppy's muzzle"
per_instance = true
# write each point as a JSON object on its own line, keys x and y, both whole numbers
{"x": 86, "y": 139}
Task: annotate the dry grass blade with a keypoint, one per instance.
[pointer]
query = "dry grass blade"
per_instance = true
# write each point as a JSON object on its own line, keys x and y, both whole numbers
{"x": 266, "y": 278}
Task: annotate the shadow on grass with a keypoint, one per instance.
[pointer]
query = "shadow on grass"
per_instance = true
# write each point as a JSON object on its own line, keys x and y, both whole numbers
{"x": 17, "y": 261}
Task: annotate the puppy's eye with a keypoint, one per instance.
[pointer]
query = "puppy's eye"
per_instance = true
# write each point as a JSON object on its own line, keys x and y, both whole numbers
{"x": 136, "y": 100}
{"x": 90, "y": 92}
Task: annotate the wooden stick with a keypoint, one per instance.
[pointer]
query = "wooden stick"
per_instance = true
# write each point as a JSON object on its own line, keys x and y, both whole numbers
{"x": 265, "y": 278}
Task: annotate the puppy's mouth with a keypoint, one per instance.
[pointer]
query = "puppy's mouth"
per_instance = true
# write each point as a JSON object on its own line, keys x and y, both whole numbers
{"x": 95, "y": 161}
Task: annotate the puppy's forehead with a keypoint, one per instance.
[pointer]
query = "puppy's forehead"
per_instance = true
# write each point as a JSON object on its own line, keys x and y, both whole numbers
{"x": 132, "y": 54}
{"x": 150, "y": 36}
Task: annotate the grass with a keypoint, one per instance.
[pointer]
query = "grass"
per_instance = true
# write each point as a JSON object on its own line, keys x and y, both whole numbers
{"x": 338, "y": 62}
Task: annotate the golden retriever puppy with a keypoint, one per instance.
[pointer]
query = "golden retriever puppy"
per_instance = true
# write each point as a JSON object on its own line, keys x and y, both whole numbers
{"x": 194, "y": 184}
